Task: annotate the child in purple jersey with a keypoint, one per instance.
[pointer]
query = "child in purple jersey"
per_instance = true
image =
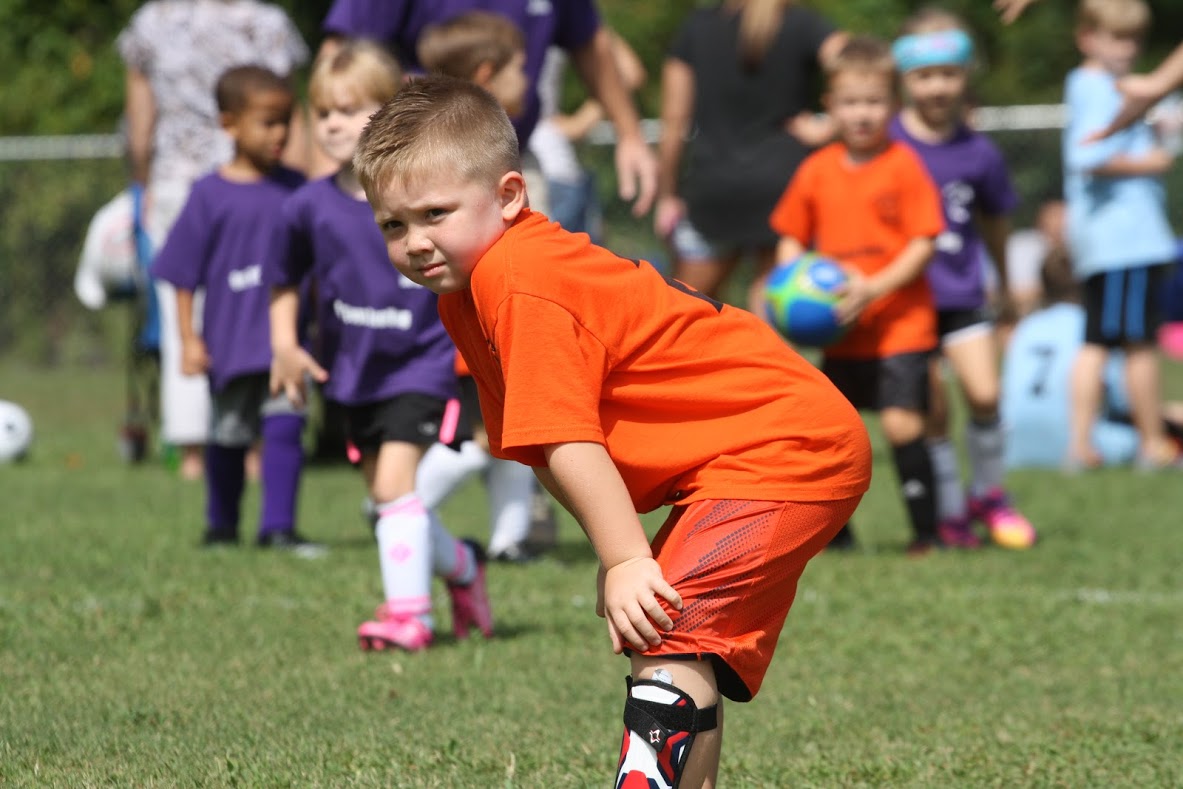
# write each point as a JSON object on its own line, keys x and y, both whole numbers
{"x": 389, "y": 363}
{"x": 218, "y": 244}
{"x": 933, "y": 56}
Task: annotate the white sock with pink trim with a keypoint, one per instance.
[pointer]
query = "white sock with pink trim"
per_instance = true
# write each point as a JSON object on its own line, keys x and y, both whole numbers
{"x": 451, "y": 559}
{"x": 405, "y": 556}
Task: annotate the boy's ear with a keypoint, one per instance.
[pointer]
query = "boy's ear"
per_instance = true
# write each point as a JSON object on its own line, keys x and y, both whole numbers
{"x": 483, "y": 74}
{"x": 511, "y": 193}
{"x": 226, "y": 120}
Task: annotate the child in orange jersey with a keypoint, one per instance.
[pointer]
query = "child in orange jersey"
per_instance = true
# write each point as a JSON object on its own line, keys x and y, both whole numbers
{"x": 625, "y": 391}
{"x": 869, "y": 203}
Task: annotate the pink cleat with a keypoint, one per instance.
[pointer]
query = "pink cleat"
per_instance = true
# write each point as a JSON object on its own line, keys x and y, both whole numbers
{"x": 388, "y": 632}
{"x": 470, "y": 602}
{"x": 958, "y": 533}
{"x": 1008, "y": 528}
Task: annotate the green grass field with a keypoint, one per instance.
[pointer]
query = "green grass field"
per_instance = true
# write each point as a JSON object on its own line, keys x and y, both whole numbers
{"x": 129, "y": 657}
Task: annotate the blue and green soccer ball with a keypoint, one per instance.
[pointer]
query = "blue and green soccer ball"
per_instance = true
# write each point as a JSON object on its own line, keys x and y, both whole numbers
{"x": 800, "y": 297}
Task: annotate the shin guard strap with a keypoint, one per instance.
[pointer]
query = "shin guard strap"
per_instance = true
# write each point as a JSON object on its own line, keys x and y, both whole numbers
{"x": 657, "y": 722}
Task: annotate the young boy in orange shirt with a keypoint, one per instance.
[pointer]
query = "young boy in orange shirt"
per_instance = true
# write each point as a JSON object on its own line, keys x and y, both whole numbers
{"x": 625, "y": 391}
{"x": 869, "y": 203}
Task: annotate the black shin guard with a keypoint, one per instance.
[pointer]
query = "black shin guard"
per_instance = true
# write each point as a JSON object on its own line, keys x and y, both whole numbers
{"x": 913, "y": 464}
{"x": 660, "y": 723}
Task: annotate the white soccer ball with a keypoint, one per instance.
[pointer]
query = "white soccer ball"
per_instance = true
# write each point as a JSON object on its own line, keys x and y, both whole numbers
{"x": 16, "y": 432}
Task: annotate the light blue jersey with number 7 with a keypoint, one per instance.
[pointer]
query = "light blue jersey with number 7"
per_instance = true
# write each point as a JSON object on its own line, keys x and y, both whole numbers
{"x": 1036, "y": 400}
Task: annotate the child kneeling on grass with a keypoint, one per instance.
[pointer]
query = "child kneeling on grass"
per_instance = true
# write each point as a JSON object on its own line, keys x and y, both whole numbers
{"x": 625, "y": 391}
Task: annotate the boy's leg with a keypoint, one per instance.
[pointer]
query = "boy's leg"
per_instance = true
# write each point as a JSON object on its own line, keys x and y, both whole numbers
{"x": 511, "y": 488}
{"x": 229, "y": 436}
{"x": 444, "y": 469}
{"x": 904, "y": 430}
{"x": 281, "y": 464}
{"x": 1087, "y": 383}
{"x": 673, "y": 731}
{"x": 225, "y": 477}
{"x": 1143, "y": 382}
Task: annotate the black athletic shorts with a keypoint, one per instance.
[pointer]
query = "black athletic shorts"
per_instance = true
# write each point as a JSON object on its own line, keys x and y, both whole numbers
{"x": 470, "y": 403}
{"x": 899, "y": 381}
{"x": 1124, "y": 306}
{"x": 413, "y": 418}
{"x": 952, "y": 322}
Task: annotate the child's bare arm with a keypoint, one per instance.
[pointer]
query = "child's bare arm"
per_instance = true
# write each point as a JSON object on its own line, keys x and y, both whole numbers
{"x": 194, "y": 356}
{"x": 1154, "y": 162}
{"x": 995, "y": 230}
{"x": 588, "y": 483}
{"x": 788, "y": 248}
{"x": 861, "y": 290}
{"x": 289, "y": 362}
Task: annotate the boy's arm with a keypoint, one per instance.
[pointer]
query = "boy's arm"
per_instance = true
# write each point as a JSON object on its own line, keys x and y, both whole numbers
{"x": 1156, "y": 161}
{"x": 1143, "y": 91}
{"x": 289, "y": 362}
{"x": 636, "y": 167}
{"x": 194, "y": 356}
{"x": 588, "y": 484}
{"x": 787, "y": 249}
{"x": 140, "y": 111}
{"x": 677, "y": 106}
{"x": 861, "y": 290}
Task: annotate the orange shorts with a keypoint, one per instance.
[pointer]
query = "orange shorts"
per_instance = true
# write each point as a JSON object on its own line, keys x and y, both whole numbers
{"x": 736, "y": 566}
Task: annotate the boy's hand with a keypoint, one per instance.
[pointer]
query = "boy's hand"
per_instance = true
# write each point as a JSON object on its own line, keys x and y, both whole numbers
{"x": 856, "y": 294}
{"x": 631, "y": 606}
{"x": 669, "y": 213}
{"x": 194, "y": 356}
{"x": 288, "y": 368}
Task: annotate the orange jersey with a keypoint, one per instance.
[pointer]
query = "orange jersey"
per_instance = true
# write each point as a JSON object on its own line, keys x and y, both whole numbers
{"x": 864, "y": 215}
{"x": 692, "y": 399}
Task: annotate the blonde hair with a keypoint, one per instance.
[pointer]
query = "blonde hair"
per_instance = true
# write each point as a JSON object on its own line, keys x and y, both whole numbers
{"x": 437, "y": 124}
{"x": 1118, "y": 17}
{"x": 759, "y": 21}
{"x": 863, "y": 54}
{"x": 460, "y": 46}
{"x": 933, "y": 19}
{"x": 372, "y": 71}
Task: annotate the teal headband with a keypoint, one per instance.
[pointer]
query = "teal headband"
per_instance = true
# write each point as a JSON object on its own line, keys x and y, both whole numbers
{"x": 942, "y": 48}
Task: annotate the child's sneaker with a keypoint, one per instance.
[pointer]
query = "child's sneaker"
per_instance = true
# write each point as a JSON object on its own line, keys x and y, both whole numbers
{"x": 1008, "y": 528}
{"x": 470, "y": 602}
{"x": 406, "y": 633}
{"x": 958, "y": 533}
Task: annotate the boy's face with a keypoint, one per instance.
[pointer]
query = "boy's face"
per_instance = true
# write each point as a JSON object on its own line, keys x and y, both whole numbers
{"x": 937, "y": 92}
{"x": 861, "y": 103}
{"x": 339, "y": 120}
{"x": 1113, "y": 52}
{"x": 260, "y": 129}
{"x": 438, "y": 225}
{"x": 509, "y": 85}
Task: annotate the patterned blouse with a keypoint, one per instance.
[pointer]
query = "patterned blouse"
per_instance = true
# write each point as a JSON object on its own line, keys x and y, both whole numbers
{"x": 183, "y": 46}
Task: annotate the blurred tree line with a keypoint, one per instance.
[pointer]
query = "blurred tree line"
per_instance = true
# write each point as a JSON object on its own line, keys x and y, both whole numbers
{"x": 62, "y": 75}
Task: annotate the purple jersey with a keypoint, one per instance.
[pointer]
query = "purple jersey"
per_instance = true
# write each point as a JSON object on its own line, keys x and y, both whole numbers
{"x": 972, "y": 176}
{"x": 219, "y": 243}
{"x": 569, "y": 24}
{"x": 381, "y": 333}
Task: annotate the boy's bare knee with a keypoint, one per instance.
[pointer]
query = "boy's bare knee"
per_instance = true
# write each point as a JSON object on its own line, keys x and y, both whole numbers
{"x": 901, "y": 425}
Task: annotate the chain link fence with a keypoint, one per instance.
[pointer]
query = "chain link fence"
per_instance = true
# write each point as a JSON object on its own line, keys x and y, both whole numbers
{"x": 50, "y": 188}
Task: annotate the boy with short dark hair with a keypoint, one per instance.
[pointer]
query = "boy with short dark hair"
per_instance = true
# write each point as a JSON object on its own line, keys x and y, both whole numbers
{"x": 869, "y": 203}
{"x": 625, "y": 391}
{"x": 218, "y": 245}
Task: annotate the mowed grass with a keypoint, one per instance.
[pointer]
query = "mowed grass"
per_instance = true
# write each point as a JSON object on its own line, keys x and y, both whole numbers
{"x": 129, "y": 657}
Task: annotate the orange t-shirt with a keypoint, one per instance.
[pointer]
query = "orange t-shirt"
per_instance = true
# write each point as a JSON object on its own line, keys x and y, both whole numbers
{"x": 692, "y": 399}
{"x": 864, "y": 215}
